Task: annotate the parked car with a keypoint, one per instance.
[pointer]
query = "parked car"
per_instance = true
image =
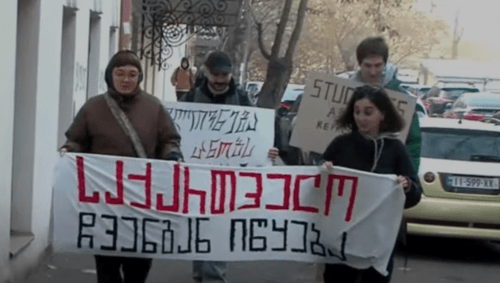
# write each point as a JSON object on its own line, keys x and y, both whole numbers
{"x": 460, "y": 177}
{"x": 492, "y": 86}
{"x": 408, "y": 76}
{"x": 286, "y": 114}
{"x": 418, "y": 90}
{"x": 291, "y": 94}
{"x": 474, "y": 106}
{"x": 447, "y": 94}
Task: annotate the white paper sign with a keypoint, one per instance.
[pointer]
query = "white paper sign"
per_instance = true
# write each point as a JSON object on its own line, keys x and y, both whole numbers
{"x": 325, "y": 98}
{"x": 161, "y": 209}
{"x": 223, "y": 134}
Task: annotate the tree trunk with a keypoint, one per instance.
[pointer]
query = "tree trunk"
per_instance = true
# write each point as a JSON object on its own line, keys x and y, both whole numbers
{"x": 456, "y": 36}
{"x": 279, "y": 69}
{"x": 248, "y": 38}
{"x": 278, "y": 72}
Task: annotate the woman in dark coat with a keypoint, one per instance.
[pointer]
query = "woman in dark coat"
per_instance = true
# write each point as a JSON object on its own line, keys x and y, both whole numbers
{"x": 372, "y": 146}
{"x": 96, "y": 130}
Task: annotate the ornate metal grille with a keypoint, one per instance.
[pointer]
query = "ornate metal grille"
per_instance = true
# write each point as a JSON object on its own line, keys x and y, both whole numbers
{"x": 170, "y": 23}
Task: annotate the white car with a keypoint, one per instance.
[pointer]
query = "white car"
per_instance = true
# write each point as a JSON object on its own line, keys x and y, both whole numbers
{"x": 460, "y": 176}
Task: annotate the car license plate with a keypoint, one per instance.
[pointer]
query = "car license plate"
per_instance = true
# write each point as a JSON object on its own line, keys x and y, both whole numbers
{"x": 474, "y": 182}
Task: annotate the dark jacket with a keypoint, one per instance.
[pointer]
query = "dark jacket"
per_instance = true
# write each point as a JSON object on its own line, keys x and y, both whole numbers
{"x": 95, "y": 129}
{"x": 233, "y": 96}
{"x": 414, "y": 140}
{"x": 356, "y": 151}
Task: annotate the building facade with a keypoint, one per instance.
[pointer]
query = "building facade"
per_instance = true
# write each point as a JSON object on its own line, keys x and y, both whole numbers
{"x": 54, "y": 54}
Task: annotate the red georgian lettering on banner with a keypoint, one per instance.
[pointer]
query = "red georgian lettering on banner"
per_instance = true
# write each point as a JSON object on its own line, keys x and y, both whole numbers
{"x": 352, "y": 196}
{"x": 191, "y": 191}
{"x": 296, "y": 193}
{"x": 147, "y": 187}
{"x": 174, "y": 207}
{"x": 258, "y": 193}
{"x": 80, "y": 172}
{"x": 118, "y": 200}
{"x": 222, "y": 200}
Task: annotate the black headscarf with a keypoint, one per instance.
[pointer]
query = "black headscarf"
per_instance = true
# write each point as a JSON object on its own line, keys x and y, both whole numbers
{"x": 185, "y": 59}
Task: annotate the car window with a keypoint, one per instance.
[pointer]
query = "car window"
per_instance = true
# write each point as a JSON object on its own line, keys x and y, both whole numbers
{"x": 484, "y": 102}
{"x": 459, "y": 144}
{"x": 454, "y": 94}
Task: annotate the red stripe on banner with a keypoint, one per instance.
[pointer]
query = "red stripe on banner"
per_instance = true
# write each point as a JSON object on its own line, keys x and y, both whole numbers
{"x": 81, "y": 183}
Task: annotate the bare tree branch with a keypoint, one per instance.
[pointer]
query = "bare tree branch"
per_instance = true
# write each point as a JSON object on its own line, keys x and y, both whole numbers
{"x": 261, "y": 42}
{"x": 281, "y": 28}
{"x": 296, "y": 31}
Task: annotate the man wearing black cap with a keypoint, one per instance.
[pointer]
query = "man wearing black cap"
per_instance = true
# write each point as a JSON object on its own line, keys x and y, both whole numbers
{"x": 218, "y": 88}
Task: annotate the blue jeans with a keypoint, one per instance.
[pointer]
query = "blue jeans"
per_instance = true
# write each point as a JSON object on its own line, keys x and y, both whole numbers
{"x": 209, "y": 271}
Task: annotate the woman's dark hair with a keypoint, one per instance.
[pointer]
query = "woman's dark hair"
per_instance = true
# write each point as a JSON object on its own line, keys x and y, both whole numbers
{"x": 185, "y": 59}
{"x": 370, "y": 46}
{"x": 392, "y": 122}
{"x": 122, "y": 58}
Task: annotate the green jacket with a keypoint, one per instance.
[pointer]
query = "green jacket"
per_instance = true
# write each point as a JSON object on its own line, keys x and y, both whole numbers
{"x": 389, "y": 80}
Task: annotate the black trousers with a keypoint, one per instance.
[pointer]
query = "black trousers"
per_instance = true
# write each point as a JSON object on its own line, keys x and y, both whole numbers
{"x": 180, "y": 93}
{"x": 340, "y": 273}
{"x": 135, "y": 270}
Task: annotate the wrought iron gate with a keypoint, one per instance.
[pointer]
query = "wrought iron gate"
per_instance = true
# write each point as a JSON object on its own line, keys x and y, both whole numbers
{"x": 166, "y": 24}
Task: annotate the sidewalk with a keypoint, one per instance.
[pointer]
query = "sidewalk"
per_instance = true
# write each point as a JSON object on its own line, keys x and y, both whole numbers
{"x": 74, "y": 268}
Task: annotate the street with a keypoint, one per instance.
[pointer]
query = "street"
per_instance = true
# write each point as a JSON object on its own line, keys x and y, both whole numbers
{"x": 429, "y": 260}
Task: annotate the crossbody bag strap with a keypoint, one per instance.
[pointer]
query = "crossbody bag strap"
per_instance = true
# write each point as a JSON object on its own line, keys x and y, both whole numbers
{"x": 125, "y": 124}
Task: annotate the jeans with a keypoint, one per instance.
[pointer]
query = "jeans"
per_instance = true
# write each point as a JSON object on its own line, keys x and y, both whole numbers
{"x": 135, "y": 270}
{"x": 209, "y": 271}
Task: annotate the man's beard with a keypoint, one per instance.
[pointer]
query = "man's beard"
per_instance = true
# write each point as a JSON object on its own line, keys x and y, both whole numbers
{"x": 220, "y": 85}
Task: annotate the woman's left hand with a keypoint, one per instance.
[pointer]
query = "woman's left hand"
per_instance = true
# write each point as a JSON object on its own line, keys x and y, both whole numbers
{"x": 273, "y": 153}
{"x": 403, "y": 181}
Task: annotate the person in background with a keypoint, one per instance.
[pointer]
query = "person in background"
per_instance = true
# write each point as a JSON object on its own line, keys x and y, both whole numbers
{"x": 371, "y": 146}
{"x": 372, "y": 54}
{"x": 218, "y": 87}
{"x": 182, "y": 78}
{"x": 96, "y": 130}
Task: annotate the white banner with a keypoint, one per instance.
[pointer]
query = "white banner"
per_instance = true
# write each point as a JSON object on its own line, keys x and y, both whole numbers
{"x": 223, "y": 134}
{"x": 325, "y": 98}
{"x": 161, "y": 209}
